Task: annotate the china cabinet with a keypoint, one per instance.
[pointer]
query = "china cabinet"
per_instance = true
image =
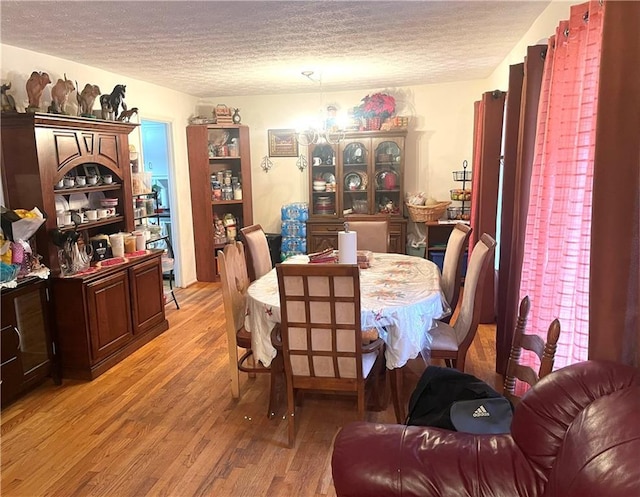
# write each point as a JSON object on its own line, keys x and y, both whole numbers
{"x": 26, "y": 342}
{"x": 220, "y": 178}
{"x": 361, "y": 175}
{"x": 105, "y": 314}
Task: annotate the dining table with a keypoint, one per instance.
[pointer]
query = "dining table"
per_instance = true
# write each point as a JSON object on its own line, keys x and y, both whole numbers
{"x": 401, "y": 296}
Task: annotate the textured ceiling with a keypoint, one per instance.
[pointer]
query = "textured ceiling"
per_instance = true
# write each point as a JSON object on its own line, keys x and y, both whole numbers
{"x": 212, "y": 49}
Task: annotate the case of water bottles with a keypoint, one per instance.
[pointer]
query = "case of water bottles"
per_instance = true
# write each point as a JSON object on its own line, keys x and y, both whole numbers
{"x": 294, "y": 229}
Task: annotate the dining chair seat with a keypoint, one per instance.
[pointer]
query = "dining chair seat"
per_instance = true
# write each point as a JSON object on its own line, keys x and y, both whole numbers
{"x": 443, "y": 337}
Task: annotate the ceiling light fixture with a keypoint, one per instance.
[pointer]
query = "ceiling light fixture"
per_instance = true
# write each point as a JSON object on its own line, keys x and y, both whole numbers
{"x": 323, "y": 129}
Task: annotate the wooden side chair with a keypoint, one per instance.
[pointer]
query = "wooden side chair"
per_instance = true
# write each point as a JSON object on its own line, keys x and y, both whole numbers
{"x": 545, "y": 351}
{"x": 233, "y": 275}
{"x": 322, "y": 341}
{"x": 451, "y": 342}
{"x": 373, "y": 232}
{"x": 258, "y": 255}
{"x": 452, "y": 266}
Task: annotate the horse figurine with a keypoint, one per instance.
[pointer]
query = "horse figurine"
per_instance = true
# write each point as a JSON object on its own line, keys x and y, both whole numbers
{"x": 126, "y": 115}
{"x": 111, "y": 103}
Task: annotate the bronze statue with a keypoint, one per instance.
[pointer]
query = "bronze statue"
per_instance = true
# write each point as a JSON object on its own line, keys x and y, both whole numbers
{"x": 8, "y": 102}
{"x": 86, "y": 98}
{"x": 60, "y": 94}
{"x": 111, "y": 103}
{"x": 35, "y": 86}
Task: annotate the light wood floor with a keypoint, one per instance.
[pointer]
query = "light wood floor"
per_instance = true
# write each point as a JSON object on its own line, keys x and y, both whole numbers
{"x": 163, "y": 423}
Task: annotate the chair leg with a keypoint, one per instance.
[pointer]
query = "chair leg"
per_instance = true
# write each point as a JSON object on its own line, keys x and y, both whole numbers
{"x": 277, "y": 372}
{"x": 291, "y": 408}
{"x": 361, "y": 401}
{"x": 233, "y": 371}
{"x": 395, "y": 378}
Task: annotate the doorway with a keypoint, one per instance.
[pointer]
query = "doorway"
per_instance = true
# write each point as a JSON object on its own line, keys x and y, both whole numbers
{"x": 156, "y": 159}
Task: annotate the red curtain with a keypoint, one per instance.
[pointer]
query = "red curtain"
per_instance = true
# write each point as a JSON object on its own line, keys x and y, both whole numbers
{"x": 555, "y": 272}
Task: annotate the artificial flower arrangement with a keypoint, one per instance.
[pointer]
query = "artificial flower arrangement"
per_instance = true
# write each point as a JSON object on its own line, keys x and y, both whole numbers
{"x": 379, "y": 105}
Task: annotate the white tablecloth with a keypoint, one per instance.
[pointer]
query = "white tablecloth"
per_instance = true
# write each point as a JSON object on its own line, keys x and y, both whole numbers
{"x": 401, "y": 296}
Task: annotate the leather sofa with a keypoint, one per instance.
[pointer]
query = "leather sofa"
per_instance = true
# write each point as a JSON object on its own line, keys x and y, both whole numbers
{"x": 576, "y": 433}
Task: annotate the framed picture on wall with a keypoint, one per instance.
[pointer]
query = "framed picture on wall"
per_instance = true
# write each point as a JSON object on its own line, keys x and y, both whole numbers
{"x": 282, "y": 143}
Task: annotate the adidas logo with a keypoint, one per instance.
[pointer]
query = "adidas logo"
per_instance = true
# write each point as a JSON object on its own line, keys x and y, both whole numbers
{"x": 480, "y": 412}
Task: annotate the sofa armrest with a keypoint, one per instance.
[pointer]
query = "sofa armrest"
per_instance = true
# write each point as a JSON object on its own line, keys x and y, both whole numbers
{"x": 397, "y": 460}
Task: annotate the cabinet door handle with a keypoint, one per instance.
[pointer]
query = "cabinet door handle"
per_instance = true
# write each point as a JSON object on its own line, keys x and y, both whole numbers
{"x": 19, "y": 337}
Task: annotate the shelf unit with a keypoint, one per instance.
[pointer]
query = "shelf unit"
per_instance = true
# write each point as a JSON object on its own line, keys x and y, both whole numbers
{"x": 204, "y": 141}
{"x": 157, "y": 241}
{"x": 363, "y": 175}
{"x": 461, "y": 195}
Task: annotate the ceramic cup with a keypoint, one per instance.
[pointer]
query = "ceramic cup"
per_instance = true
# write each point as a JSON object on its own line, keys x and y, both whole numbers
{"x": 81, "y": 180}
{"x": 103, "y": 213}
{"x": 107, "y": 179}
{"x": 67, "y": 218}
{"x": 69, "y": 182}
{"x": 317, "y": 161}
{"x": 92, "y": 180}
{"x": 60, "y": 184}
{"x": 60, "y": 218}
{"x": 91, "y": 214}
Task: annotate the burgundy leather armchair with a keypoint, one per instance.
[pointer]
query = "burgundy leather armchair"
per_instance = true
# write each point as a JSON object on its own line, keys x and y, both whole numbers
{"x": 576, "y": 433}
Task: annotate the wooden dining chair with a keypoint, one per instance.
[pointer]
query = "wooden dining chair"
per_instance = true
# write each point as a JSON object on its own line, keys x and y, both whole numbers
{"x": 545, "y": 351}
{"x": 451, "y": 342}
{"x": 452, "y": 266}
{"x": 233, "y": 275}
{"x": 258, "y": 255}
{"x": 372, "y": 232}
{"x": 321, "y": 336}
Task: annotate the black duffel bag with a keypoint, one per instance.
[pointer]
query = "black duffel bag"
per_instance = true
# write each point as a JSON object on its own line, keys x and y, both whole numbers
{"x": 447, "y": 398}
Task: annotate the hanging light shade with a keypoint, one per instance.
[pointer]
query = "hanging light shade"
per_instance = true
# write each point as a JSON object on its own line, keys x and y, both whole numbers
{"x": 325, "y": 128}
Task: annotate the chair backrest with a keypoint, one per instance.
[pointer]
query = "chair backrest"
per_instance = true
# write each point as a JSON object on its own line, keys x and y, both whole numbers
{"x": 452, "y": 266}
{"x": 373, "y": 232}
{"x": 545, "y": 351}
{"x": 468, "y": 318}
{"x": 258, "y": 255}
{"x": 320, "y": 323}
{"x": 233, "y": 275}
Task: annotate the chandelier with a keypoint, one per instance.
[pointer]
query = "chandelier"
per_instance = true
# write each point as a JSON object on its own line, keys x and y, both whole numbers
{"x": 325, "y": 128}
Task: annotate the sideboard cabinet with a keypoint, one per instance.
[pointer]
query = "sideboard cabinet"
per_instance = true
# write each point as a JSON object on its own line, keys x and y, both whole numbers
{"x": 102, "y": 319}
{"x": 363, "y": 174}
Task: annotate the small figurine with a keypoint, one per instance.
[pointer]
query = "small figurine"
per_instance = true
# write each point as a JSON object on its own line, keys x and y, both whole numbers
{"x": 35, "y": 86}
{"x": 126, "y": 115}
{"x": 60, "y": 94}
{"x": 111, "y": 103}
{"x": 86, "y": 98}
{"x": 8, "y": 102}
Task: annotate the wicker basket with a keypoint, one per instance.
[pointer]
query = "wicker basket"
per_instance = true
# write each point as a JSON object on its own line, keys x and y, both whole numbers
{"x": 424, "y": 213}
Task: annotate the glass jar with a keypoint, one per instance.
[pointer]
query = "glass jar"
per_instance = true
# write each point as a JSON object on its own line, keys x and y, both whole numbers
{"x": 216, "y": 191}
{"x": 227, "y": 192}
{"x": 237, "y": 192}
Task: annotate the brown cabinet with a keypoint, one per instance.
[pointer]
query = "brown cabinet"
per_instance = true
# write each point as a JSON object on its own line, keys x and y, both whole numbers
{"x": 102, "y": 319}
{"x": 38, "y": 150}
{"x": 217, "y": 149}
{"x": 104, "y": 315}
{"x": 361, "y": 175}
{"x": 26, "y": 345}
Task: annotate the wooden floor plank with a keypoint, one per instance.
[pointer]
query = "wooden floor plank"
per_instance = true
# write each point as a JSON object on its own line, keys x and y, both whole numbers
{"x": 163, "y": 422}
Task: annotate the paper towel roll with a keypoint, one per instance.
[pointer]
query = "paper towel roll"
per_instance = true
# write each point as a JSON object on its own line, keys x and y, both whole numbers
{"x": 347, "y": 247}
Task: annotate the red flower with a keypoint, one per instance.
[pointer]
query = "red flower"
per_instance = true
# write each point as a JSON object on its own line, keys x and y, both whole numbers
{"x": 377, "y": 105}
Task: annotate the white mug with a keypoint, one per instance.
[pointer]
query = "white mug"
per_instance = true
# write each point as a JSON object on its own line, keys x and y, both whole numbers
{"x": 107, "y": 179}
{"x": 81, "y": 180}
{"x": 92, "y": 180}
{"x": 91, "y": 214}
{"x": 69, "y": 182}
{"x": 103, "y": 213}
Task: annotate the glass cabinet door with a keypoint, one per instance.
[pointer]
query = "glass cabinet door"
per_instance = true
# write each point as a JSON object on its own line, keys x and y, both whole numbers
{"x": 355, "y": 177}
{"x": 324, "y": 172}
{"x": 388, "y": 177}
{"x": 33, "y": 333}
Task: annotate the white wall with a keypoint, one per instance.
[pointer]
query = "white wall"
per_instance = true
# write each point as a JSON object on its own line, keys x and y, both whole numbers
{"x": 153, "y": 102}
{"x": 439, "y": 138}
